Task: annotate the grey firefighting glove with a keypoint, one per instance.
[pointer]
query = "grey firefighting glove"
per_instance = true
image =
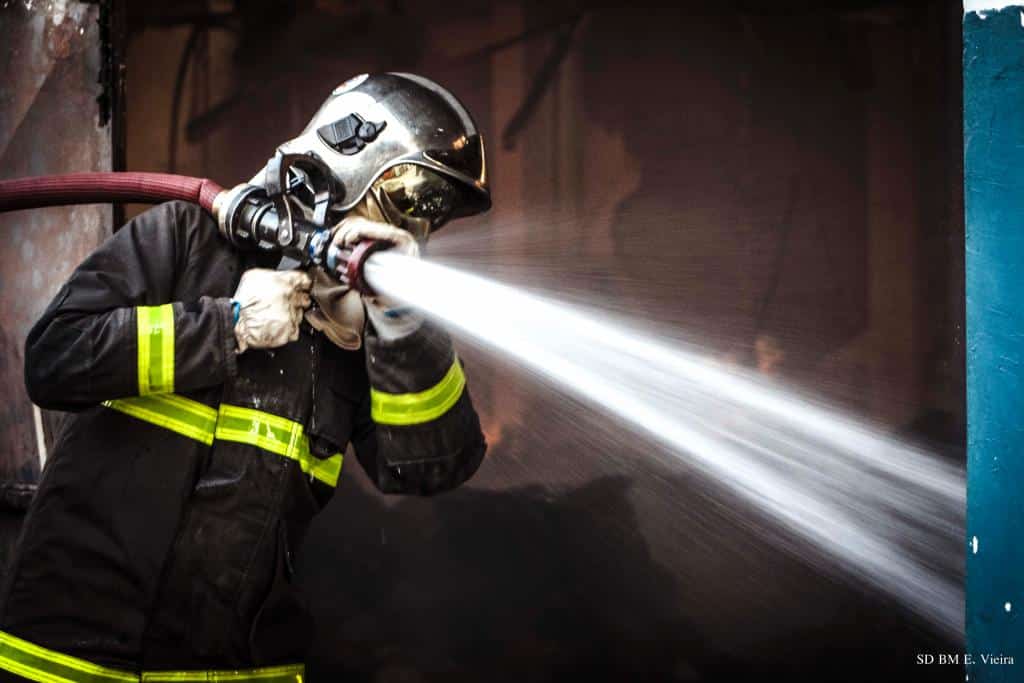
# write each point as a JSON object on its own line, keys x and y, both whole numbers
{"x": 390, "y": 318}
{"x": 269, "y": 306}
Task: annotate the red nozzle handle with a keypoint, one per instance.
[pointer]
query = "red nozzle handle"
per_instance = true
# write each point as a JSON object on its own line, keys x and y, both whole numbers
{"x": 357, "y": 261}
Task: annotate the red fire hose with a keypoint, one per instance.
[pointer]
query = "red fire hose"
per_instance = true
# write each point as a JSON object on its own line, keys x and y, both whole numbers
{"x": 96, "y": 188}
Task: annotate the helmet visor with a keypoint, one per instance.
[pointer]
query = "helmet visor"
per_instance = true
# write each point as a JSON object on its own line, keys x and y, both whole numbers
{"x": 419, "y": 192}
{"x": 465, "y": 156}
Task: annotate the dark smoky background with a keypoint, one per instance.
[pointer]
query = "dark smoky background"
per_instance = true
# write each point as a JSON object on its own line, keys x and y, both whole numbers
{"x": 778, "y": 183}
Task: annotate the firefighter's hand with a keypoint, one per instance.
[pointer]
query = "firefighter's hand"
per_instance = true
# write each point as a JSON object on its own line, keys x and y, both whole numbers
{"x": 270, "y": 305}
{"x": 390, "y": 318}
{"x": 356, "y": 228}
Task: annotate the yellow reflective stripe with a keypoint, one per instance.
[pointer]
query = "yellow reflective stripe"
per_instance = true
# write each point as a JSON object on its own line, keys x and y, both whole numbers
{"x": 269, "y": 432}
{"x": 199, "y": 421}
{"x": 270, "y": 674}
{"x": 278, "y": 435}
{"x": 36, "y": 663}
{"x": 417, "y": 408}
{"x": 179, "y": 414}
{"x": 156, "y": 349}
{"x": 326, "y": 470}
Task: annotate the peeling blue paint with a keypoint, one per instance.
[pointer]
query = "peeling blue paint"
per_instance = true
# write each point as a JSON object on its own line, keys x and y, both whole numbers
{"x": 994, "y": 202}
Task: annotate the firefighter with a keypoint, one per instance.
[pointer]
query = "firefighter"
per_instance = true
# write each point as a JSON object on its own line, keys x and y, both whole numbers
{"x": 212, "y": 396}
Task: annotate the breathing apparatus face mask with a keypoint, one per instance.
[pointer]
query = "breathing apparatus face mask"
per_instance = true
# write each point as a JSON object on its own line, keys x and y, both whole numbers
{"x": 410, "y": 197}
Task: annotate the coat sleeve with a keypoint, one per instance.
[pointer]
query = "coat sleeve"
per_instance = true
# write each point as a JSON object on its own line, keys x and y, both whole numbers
{"x": 114, "y": 329}
{"x": 417, "y": 432}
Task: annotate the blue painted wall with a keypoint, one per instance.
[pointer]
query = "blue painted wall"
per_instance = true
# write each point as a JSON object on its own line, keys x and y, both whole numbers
{"x": 994, "y": 202}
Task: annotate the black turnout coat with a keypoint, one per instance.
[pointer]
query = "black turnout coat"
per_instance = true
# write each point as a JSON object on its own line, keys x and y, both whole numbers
{"x": 167, "y": 543}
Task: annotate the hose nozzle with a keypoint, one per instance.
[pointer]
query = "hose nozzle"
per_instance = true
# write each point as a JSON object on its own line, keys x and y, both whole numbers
{"x": 347, "y": 263}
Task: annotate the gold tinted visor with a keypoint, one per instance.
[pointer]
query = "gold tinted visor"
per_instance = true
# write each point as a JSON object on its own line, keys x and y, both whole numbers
{"x": 418, "y": 192}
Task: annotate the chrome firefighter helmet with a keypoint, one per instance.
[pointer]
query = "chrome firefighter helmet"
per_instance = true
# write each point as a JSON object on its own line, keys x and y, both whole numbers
{"x": 374, "y": 124}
